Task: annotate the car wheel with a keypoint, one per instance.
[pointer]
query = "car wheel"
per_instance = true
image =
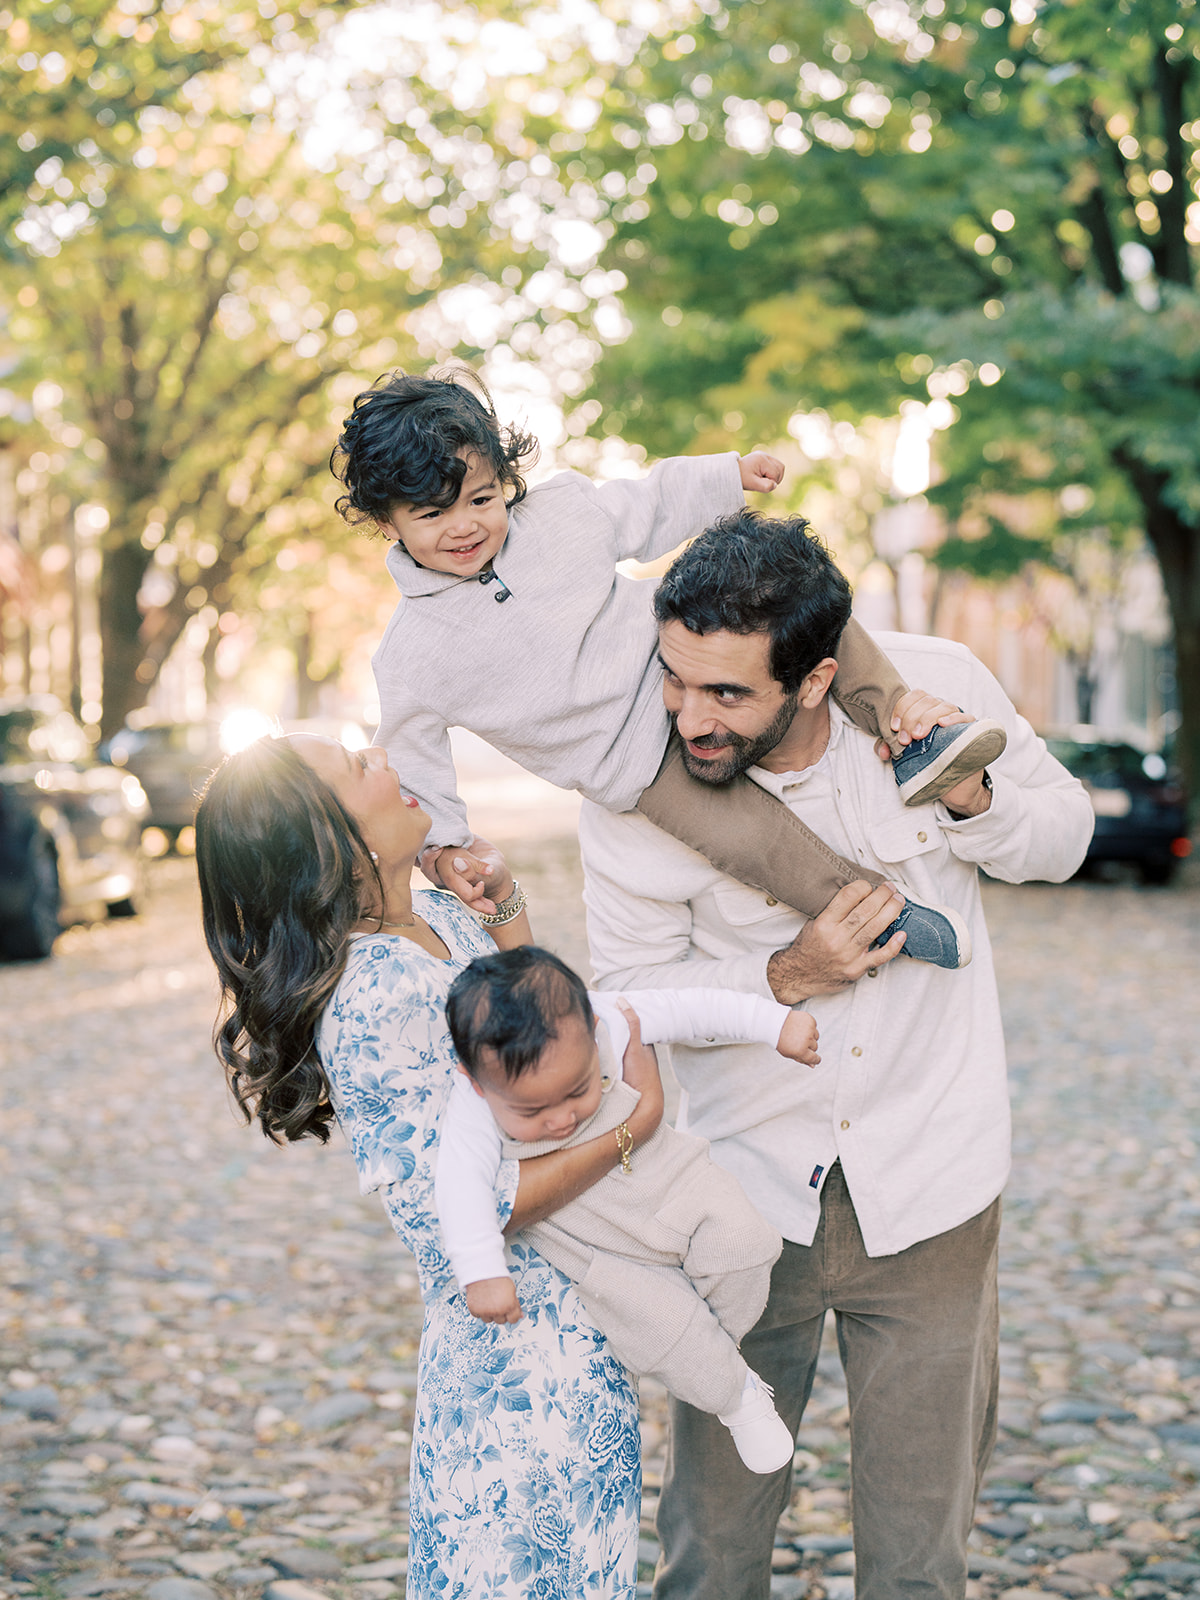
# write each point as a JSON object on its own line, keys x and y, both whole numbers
{"x": 131, "y": 904}
{"x": 31, "y": 934}
{"x": 1157, "y": 870}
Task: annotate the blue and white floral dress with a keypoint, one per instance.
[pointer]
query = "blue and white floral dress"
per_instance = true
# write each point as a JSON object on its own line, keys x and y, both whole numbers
{"x": 526, "y": 1463}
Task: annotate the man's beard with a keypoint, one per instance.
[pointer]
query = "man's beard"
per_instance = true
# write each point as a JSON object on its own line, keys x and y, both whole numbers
{"x": 740, "y": 752}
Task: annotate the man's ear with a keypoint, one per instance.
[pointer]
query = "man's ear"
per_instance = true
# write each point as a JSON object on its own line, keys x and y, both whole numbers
{"x": 816, "y": 686}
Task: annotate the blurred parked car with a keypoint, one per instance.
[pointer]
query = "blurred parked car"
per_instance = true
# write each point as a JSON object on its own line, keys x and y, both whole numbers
{"x": 171, "y": 761}
{"x": 70, "y": 829}
{"x": 1138, "y": 800}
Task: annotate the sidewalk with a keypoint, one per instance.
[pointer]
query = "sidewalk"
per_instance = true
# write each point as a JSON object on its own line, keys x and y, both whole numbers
{"x": 209, "y": 1345}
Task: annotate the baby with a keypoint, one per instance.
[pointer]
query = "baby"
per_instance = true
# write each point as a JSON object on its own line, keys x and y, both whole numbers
{"x": 667, "y": 1253}
{"x": 515, "y": 623}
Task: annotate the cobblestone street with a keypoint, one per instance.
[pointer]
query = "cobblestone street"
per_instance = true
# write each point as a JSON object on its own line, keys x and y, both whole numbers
{"x": 208, "y": 1353}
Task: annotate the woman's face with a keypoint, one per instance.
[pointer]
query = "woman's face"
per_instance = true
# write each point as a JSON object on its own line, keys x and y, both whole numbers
{"x": 392, "y": 822}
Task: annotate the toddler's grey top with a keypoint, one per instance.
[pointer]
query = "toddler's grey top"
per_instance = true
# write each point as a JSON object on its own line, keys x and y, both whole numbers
{"x": 561, "y": 674}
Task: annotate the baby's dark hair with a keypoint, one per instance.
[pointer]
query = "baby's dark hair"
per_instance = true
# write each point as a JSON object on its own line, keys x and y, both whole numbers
{"x": 401, "y": 444}
{"x": 511, "y": 1004}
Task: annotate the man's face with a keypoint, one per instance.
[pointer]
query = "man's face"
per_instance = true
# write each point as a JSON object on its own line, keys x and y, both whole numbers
{"x": 729, "y": 711}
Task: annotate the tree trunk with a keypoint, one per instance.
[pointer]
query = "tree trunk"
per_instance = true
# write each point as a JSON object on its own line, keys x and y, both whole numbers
{"x": 1085, "y": 692}
{"x": 120, "y": 628}
{"x": 1177, "y": 546}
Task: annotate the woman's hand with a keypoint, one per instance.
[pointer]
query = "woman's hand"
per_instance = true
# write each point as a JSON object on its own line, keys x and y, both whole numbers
{"x": 640, "y": 1066}
{"x": 494, "y": 1300}
{"x": 477, "y": 873}
{"x": 798, "y": 1038}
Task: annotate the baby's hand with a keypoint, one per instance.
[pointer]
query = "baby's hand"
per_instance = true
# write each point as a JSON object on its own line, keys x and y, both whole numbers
{"x": 760, "y": 471}
{"x": 798, "y": 1038}
{"x": 915, "y": 715}
{"x": 494, "y": 1300}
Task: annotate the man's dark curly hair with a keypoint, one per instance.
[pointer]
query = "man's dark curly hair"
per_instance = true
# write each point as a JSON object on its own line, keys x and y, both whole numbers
{"x": 753, "y": 574}
{"x": 401, "y": 444}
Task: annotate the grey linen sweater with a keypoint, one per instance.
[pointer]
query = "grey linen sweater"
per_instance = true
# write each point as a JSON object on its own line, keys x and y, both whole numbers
{"x": 551, "y": 656}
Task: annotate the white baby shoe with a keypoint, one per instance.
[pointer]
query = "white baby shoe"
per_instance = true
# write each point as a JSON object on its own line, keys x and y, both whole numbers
{"x": 763, "y": 1439}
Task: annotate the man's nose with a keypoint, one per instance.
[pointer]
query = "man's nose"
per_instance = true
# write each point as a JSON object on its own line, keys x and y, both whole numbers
{"x": 693, "y": 717}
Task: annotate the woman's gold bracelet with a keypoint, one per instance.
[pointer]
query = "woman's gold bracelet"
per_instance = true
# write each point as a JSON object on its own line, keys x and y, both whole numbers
{"x": 624, "y": 1146}
{"x": 506, "y": 910}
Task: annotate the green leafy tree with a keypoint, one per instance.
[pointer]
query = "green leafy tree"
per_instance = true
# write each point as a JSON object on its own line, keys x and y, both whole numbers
{"x": 849, "y": 205}
{"x": 199, "y": 272}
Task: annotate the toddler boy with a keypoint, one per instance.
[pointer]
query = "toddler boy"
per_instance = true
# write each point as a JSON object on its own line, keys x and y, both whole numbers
{"x": 515, "y": 623}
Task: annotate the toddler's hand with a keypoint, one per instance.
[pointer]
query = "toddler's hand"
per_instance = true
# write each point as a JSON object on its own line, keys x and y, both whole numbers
{"x": 798, "y": 1038}
{"x": 915, "y": 715}
{"x": 760, "y": 471}
{"x": 494, "y": 1300}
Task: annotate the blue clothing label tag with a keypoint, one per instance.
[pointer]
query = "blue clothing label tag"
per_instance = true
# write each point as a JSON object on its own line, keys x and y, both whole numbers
{"x": 815, "y": 1180}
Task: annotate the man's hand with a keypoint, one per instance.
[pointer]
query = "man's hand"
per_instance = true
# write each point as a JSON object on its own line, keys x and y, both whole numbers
{"x": 834, "y": 950}
{"x": 639, "y": 1067}
{"x": 798, "y": 1038}
{"x": 760, "y": 471}
{"x": 915, "y": 715}
{"x": 477, "y": 873}
{"x": 494, "y": 1300}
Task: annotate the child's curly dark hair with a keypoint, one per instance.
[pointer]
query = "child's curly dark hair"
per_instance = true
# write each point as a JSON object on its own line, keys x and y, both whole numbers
{"x": 405, "y": 440}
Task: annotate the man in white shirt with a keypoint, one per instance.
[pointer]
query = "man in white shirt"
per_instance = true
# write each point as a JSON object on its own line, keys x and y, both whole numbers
{"x": 882, "y": 1169}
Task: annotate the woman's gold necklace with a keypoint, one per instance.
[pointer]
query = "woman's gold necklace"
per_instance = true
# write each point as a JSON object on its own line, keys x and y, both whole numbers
{"x": 384, "y": 923}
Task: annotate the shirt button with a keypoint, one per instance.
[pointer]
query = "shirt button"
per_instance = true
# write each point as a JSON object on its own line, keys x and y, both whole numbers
{"x": 872, "y": 972}
{"x": 921, "y": 838}
{"x": 857, "y": 1050}
{"x": 771, "y": 900}
{"x": 845, "y": 1124}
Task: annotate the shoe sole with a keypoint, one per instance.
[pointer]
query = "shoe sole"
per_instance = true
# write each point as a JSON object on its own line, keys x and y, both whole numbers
{"x": 962, "y": 936}
{"x": 955, "y": 764}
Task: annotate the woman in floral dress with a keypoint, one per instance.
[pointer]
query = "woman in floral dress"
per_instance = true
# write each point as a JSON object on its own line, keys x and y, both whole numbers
{"x": 525, "y": 1478}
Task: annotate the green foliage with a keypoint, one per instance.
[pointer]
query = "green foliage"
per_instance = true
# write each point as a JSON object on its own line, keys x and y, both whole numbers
{"x": 999, "y": 554}
{"x": 991, "y": 205}
{"x": 193, "y": 298}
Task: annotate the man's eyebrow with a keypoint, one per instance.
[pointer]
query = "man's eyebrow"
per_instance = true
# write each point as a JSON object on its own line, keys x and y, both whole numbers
{"x": 709, "y": 688}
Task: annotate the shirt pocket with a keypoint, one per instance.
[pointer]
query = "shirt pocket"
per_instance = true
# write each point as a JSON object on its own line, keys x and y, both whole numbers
{"x": 741, "y": 907}
{"x": 905, "y": 838}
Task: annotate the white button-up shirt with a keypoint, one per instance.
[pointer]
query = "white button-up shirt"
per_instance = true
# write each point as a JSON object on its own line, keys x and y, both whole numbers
{"x": 911, "y": 1093}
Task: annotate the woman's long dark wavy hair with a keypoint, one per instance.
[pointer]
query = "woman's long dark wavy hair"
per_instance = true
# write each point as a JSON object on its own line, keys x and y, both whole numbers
{"x": 282, "y": 869}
